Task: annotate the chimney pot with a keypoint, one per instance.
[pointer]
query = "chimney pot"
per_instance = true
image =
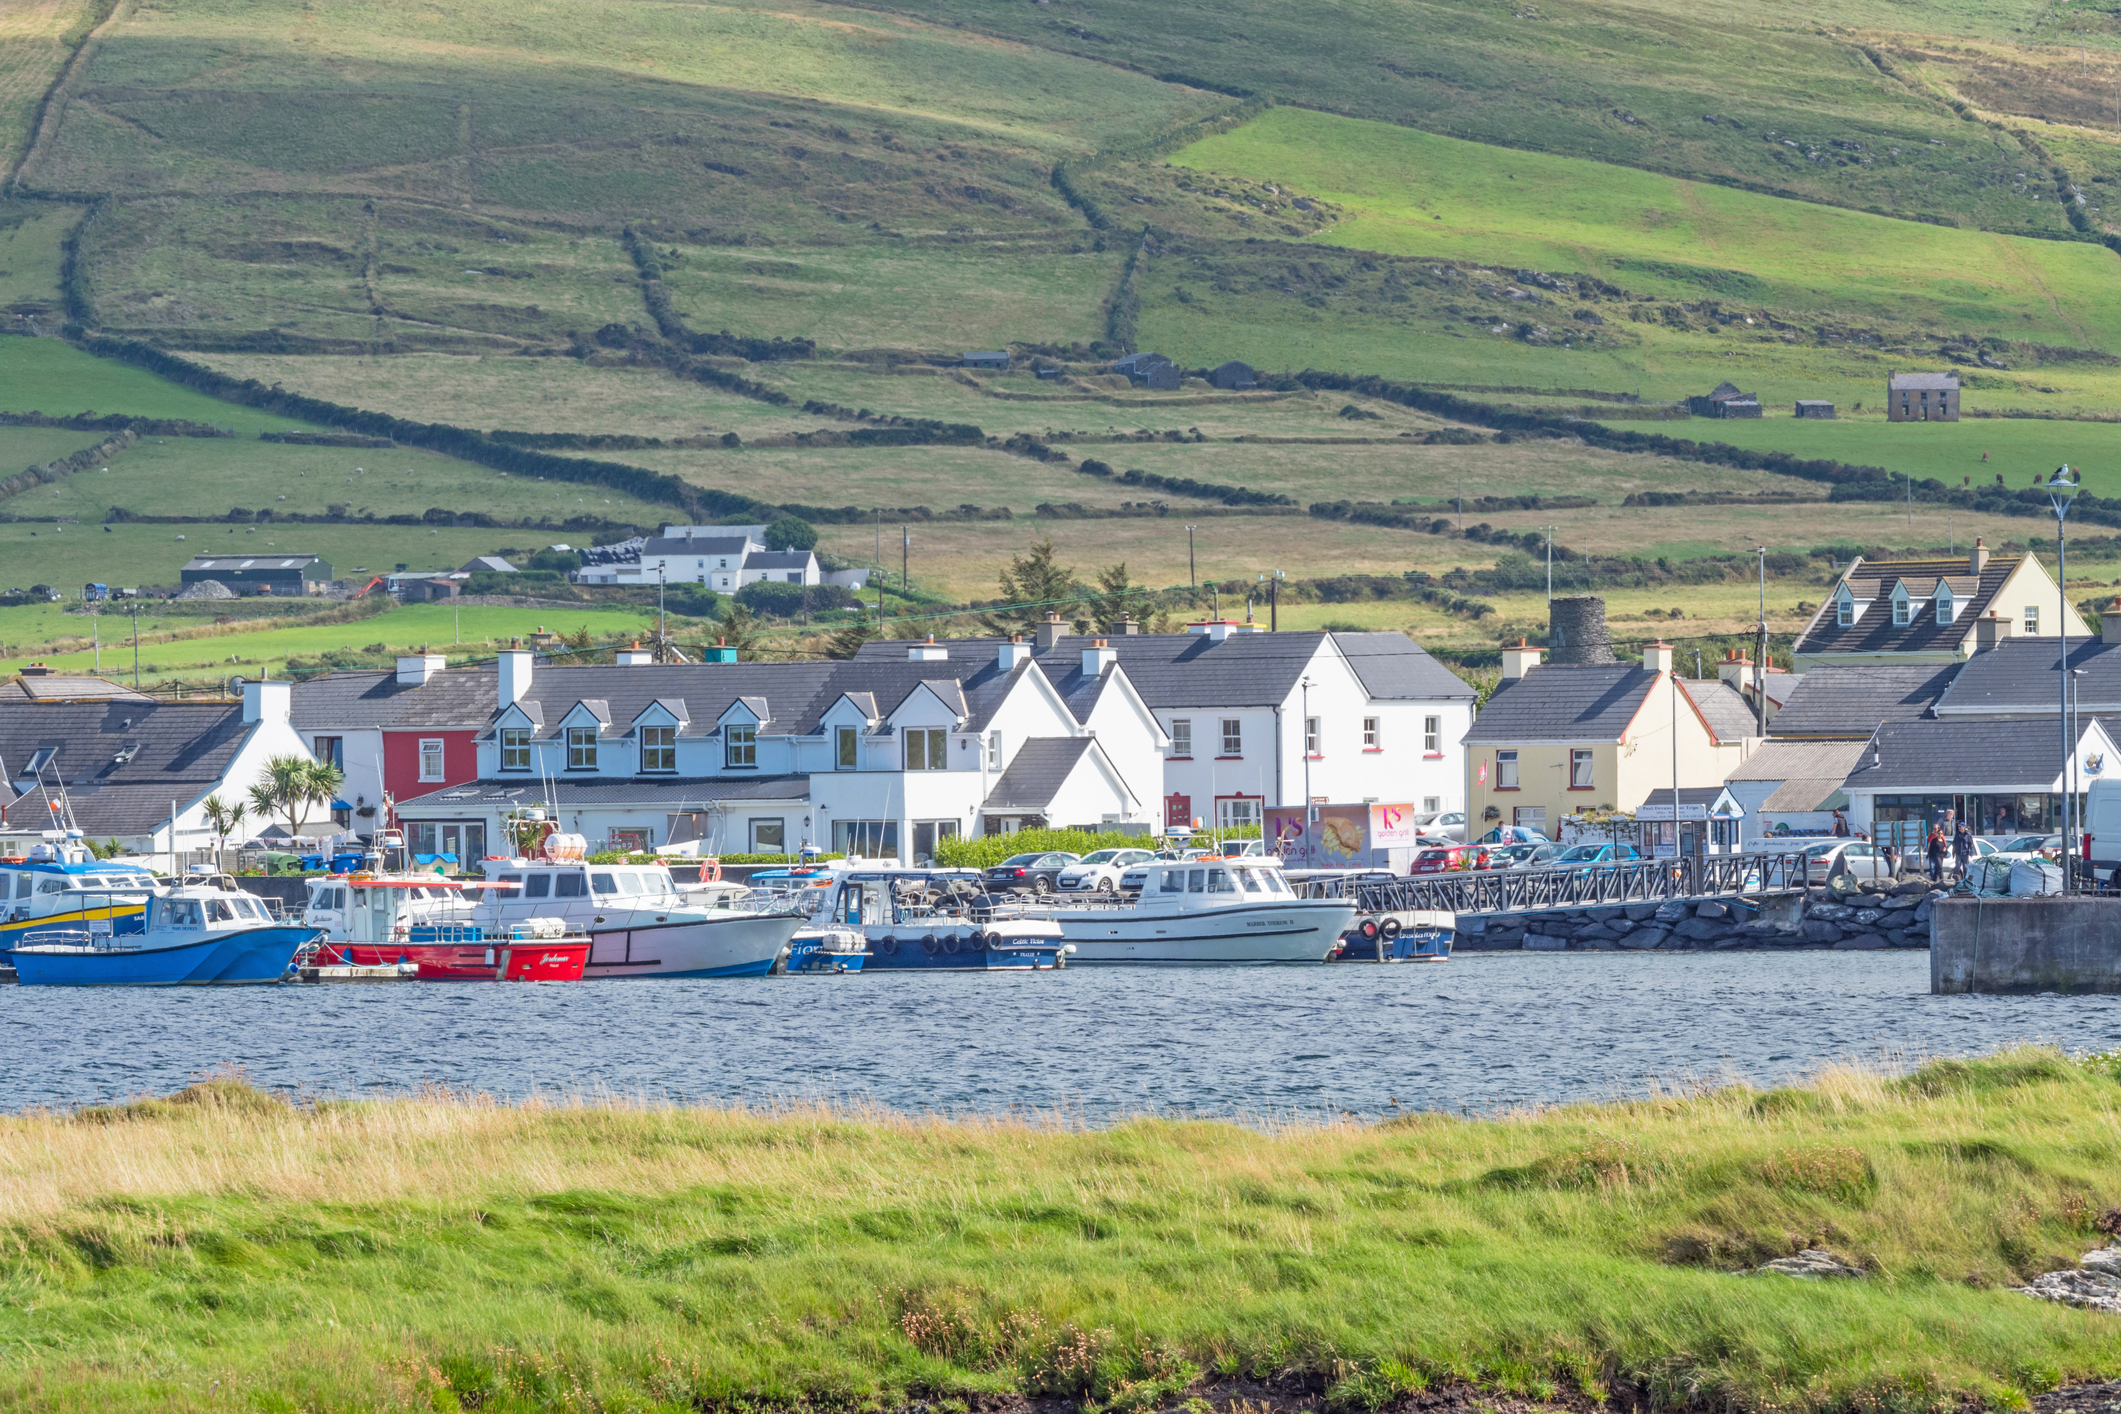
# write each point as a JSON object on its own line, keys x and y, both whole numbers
{"x": 1977, "y": 560}
{"x": 1049, "y": 632}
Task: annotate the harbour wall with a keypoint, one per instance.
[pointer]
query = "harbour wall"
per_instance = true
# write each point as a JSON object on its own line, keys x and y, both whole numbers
{"x": 2024, "y": 945}
{"x": 1882, "y": 916}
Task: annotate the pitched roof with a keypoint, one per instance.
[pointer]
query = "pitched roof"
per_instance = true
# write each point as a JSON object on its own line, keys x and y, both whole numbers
{"x": 1851, "y": 700}
{"x": 454, "y": 697}
{"x": 1964, "y": 754}
{"x": 1565, "y": 702}
{"x": 42, "y": 688}
{"x": 1393, "y": 666}
{"x": 1037, "y": 772}
{"x": 487, "y": 562}
{"x": 2023, "y": 676}
{"x": 1723, "y": 391}
{"x": 1807, "y": 773}
{"x": 1912, "y": 381}
{"x": 1728, "y": 711}
{"x": 778, "y": 560}
{"x": 170, "y": 750}
{"x": 1874, "y": 630}
{"x": 668, "y": 793}
{"x": 657, "y": 546}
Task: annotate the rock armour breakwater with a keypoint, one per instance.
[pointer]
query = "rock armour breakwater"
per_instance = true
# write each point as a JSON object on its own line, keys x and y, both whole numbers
{"x": 1880, "y": 916}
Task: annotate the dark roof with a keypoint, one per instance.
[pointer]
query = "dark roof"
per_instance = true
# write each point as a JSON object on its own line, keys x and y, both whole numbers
{"x": 1392, "y": 666}
{"x": 1850, "y": 701}
{"x": 177, "y": 750}
{"x": 778, "y": 560}
{"x": 1037, "y": 772}
{"x": 54, "y": 688}
{"x": 1807, "y": 773}
{"x": 1874, "y": 630}
{"x": 487, "y": 562}
{"x": 2023, "y": 676}
{"x": 454, "y": 697}
{"x": 278, "y": 559}
{"x": 676, "y": 793}
{"x": 1723, "y": 391}
{"x": 1898, "y": 381}
{"x": 1565, "y": 702}
{"x": 1963, "y": 754}
{"x": 1728, "y": 711}
{"x": 657, "y": 547}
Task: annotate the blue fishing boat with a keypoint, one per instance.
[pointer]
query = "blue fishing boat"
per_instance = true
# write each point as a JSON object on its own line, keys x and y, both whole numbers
{"x": 824, "y": 951}
{"x": 926, "y": 920}
{"x": 193, "y": 935}
{"x": 61, "y": 884}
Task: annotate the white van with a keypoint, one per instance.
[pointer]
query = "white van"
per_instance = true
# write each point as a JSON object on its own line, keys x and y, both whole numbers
{"x": 2102, "y": 823}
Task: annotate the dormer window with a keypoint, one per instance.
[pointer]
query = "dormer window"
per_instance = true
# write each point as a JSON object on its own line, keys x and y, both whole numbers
{"x": 659, "y": 748}
{"x": 1944, "y": 605}
{"x": 581, "y": 748}
{"x": 1903, "y": 609}
{"x": 740, "y": 746}
{"x": 1845, "y": 611}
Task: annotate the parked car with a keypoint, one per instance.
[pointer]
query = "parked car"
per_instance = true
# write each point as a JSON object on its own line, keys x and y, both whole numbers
{"x": 1583, "y": 856}
{"x": 1101, "y": 870}
{"x": 1515, "y": 834}
{"x": 1444, "y": 825}
{"x": 1858, "y": 858}
{"x": 1442, "y": 859}
{"x": 2024, "y": 846}
{"x": 1241, "y": 849}
{"x": 1522, "y": 856}
{"x": 1032, "y": 873}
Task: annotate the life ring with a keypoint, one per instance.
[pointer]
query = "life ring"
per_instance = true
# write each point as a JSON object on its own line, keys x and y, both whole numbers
{"x": 710, "y": 870}
{"x": 887, "y": 947}
{"x": 930, "y": 946}
{"x": 1390, "y": 930}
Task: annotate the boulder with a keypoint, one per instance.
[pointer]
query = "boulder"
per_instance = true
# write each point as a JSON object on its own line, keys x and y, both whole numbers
{"x": 1870, "y": 886}
{"x": 1861, "y": 942}
{"x": 1818, "y": 930}
{"x": 1640, "y": 912}
{"x": 1701, "y": 929}
{"x": 1606, "y": 914}
{"x": 1472, "y": 923}
{"x": 1599, "y": 944}
{"x": 1923, "y": 911}
{"x": 1545, "y": 942}
{"x": 1620, "y": 926}
{"x": 1671, "y": 911}
{"x": 2089, "y": 1290}
{"x": 1644, "y": 939}
{"x": 1865, "y": 917}
{"x": 1596, "y": 932}
{"x": 1812, "y": 1264}
{"x": 1710, "y": 908}
{"x": 1913, "y": 886}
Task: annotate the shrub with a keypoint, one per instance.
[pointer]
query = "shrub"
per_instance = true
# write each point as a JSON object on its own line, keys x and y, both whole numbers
{"x": 788, "y": 600}
{"x": 790, "y": 533}
{"x": 990, "y": 850}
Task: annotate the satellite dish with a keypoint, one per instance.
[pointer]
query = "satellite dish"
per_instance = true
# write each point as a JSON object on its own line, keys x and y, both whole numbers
{"x": 235, "y": 686}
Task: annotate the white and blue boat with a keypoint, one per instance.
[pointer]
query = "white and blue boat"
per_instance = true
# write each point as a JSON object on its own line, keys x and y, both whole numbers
{"x": 193, "y": 935}
{"x": 61, "y": 884}
{"x": 926, "y": 920}
{"x": 824, "y": 952}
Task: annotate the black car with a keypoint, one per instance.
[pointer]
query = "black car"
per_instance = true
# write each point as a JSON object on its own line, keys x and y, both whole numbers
{"x": 1029, "y": 873}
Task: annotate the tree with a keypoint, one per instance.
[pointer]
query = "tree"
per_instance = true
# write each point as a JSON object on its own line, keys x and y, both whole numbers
{"x": 1114, "y": 595}
{"x": 1031, "y": 585}
{"x": 291, "y": 784}
{"x": 740, "y": 630}
{"x": 789, "y": 533}
{"x": 848, "y": 641}
{"x": 224, "y": 818}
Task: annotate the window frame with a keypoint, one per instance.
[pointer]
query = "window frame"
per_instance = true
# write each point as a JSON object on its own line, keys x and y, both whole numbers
{"x": 1373, "y": 733}
{"x": 582, "y": 748}
{"x": 993, "y": 750}
{"x": 437, "y": 748}
{"x": 1233, "y": 738}
{"x": 846, "y": 749}
{"x": 2031, "y": 619}
{"x": 1903, "y": 610}
{"x": 1845, "y": 611}
{"x": 515, "y": 748}
{"x": 1312, "y": 726}
{"x": 1181, "y": 738}
{"x": 1432, "y": 736}
{"x": 659, "y": 750}
{"x": 1506, "y": 771}
{"x": 1583, "y": 768}
{"x": 329, "y": 749}
{"x": 740, "y": 746}
{"x": 930, "y": 744}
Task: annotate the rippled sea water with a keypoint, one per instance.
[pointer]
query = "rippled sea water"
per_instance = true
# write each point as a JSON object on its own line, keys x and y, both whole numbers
{"x": 1479, "y": 1032}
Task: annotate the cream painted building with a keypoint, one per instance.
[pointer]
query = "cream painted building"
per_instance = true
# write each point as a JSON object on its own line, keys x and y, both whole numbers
{"x": 1934, "y": 610}
{"x": 1561, "y": 740}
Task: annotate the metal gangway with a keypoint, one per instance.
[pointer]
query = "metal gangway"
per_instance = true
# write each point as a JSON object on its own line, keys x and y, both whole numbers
{"x": 1588, "y": 886}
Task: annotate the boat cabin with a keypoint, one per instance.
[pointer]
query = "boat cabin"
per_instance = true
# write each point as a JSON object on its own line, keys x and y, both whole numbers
{"x": 1205, "y": 883}
{"x": 102, "y": 896}
{"x": 383, "y": 908}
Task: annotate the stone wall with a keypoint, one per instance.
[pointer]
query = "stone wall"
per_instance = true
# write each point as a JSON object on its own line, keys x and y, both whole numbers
{"x": 2025, "y": 945}
{"x": 1879, "y": 916}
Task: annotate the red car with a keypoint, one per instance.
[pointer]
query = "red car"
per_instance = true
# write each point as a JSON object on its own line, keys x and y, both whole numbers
{"x": 1443, "y": 859}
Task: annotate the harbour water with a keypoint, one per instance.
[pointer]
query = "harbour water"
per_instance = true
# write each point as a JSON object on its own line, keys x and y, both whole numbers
{"x": 1481, "y": 1032}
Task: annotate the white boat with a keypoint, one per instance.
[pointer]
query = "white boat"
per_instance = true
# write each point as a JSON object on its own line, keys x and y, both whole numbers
{"x": 1201, "y": 912}
{"x": 61, "y": 882}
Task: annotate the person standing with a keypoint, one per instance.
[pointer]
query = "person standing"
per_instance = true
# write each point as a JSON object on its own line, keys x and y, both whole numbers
{"x": 1936, "y": 854}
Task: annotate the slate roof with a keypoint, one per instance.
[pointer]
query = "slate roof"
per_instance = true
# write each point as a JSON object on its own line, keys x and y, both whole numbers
{"x": 1918, "y": 381}
{"x": 1394, "y": 667}
{"x": 658, "y": 547}
{"x": 1037, "y": 772}
{"x": 182, "y": 749}
{"x": 670, "y": 793}
{"x": 2022, "y": 676}
{"x": 67, "y": 689}
{"x": 1727, "y": 710}
{"x": 1964, "y": 754}
{"x": 1564, "y": 702}
{"x": 487, "y": 562}
{"x": 1874, "y": 630}
{"x": 778, "y": 560}
{"x": 1808, "y": 772}
{"x": 1851, "y": 700}
{"x": 454, "y": 697}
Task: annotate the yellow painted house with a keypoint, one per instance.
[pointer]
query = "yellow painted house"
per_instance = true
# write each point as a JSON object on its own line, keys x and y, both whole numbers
{"x": 1933, "y": 610}
{"x": 1563, "y": 739}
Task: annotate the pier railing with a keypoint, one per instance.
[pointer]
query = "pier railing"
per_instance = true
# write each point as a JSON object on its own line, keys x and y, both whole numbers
{"x": 1530, "y": 890}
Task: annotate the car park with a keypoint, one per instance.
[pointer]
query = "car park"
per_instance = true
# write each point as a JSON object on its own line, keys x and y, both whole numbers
{"x": 1101, "y": 870}
{"x": 1029, "y": 873}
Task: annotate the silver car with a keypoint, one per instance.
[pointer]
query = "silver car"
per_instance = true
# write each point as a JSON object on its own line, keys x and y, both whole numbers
{"x": 1101, "y": 870}
{"x": 1859, "y": 859}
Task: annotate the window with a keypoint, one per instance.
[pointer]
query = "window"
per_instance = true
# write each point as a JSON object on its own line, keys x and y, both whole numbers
{"x": 1430, "y": 804}
{"x": 1506, "y": 770}
{"x": 927, "y": 749}
{"x": 1182, "y": 736}
{"x": 1237, "y": 812}
{"x": 849, "y": 744}
{"x": 1432, "y": 736}
{"x": 1174, "y": 882}
{"x": 633, "y": 842}
{"x": 515, "y": 748}
{"x": 570, "y": 885}
{"x": 537, "y": 886}
{"x": 769, "y": 836}
{"x": 1530, "y": 817}
{"x": 581, "y": 748}
{"x": 1902, "y": 611}
{"x": 1372, "y": 735}
{"x": 740, "y": 746}
{"x": 994, "y": 751}
{"x": 1845, "y": 611}
{"x": 1580, "y": 768}
{"x": 1233, "y": 737}
{"x": 603, "y": 884}
{"x": 2032, "y": 618}
{"x": 659, "y": 748}
{"x": 431, "y": 759}
{"x": 1944, "y": 608}
{"x": 1311, "y": 736}
{"x": 868, "y": 839}
{"x": 332, "y": 750}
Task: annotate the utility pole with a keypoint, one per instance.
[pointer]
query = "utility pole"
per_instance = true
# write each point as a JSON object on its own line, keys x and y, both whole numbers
{"x": 1550, "y": 565}
{"x": 1760, "y": 665}
{"x": 1192, "y": 578}
{"x": 905, "y": 559}
{"x": 136, "y": 645}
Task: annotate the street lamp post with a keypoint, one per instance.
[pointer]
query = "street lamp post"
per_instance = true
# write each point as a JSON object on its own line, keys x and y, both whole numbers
{"x": 1310, "y": 816}
{"x": 2061, "y": 489}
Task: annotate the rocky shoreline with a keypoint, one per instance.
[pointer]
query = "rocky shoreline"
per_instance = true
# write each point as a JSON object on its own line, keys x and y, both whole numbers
{"x": 1876, "y": 916}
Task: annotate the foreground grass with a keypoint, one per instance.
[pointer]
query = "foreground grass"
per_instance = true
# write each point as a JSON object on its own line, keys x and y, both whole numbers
{"x": 443, "y": 1251}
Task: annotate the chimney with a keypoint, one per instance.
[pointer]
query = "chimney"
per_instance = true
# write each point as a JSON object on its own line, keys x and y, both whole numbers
{"x": 1736, "y": 669}
{"x": 1990, "y": 631}
{"x": 2110, "y": 624}
{"x": 1098, "y": 657}
{"x": 418, "y": 668}
{"x": 720, "y": 653}
{"x": 1012, "y": 654}
{"x": 1657, "y": 657}
{"x": 1125, "y": 624}
{"x": 515, "y": 675}
{"x": 1518, "y": 661}
{"x": 633, "y": 657}
{"x": 1977, "y": 559}
{"x": 929, "y": 652}
{"x": 1214, "y": 630}
{"x": 1576, "y": 631}
{"x": 1050, "y": 632}
{"x": 268, "y": 701}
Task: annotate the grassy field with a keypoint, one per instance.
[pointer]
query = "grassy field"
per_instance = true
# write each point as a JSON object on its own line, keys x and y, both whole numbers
{"x": 222, "y": 1245}
{"x": 37, "y": 37}
{"x": 48, "y": 376}
{"x": 401, "y": 629}
{"x": 30, "y": 237}
{"x": 2015, "y": 448}
{"x": 28, "y": 446}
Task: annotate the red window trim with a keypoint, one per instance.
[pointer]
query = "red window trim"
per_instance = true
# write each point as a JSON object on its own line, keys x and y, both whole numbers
{"x": 1224, "y": 758}
{"x": 1426, "y": 755}
{"x": 1379, "y": 751}
{"x": 1504, "y": 788}
{"x": 1583, "y": 788}
{"x": 1315, "y": 756}
{"x": 1178, "y": 758}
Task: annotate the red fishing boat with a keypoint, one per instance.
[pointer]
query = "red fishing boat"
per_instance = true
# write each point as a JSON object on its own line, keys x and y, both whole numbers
{"x": 378, "y": 920}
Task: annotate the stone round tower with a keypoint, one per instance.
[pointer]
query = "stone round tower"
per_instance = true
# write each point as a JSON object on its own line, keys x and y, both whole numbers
{"x": 1576, "y": 631}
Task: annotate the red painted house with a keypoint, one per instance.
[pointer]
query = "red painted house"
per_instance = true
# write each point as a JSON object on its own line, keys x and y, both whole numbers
{"x": 406, "y": 734}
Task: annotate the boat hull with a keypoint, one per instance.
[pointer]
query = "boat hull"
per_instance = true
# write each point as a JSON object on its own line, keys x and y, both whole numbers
{"x": 525, "y": 960}
{"x": 959, "y": 950}
{"x": 251, "y": 957}
{"x": 740, "y": 945}
{"x": 807, "y": 956}
{"x": 1252, "y": 935}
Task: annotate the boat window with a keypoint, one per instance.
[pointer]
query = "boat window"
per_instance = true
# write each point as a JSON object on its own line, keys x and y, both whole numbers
{"x": 51, "y": 886}
{"x": 23, "y": 884}
{"x": 1174, "y": 881}
{"x": 630, "y": 884}
{"x": 1197, "y": 881}
{"x": 180, "y": 913}
{"x": 1276, "y": 884}
{"x": 603, "y": 883}
{"x": 570, "y": 886}
{"x": 247, "y": 907}
{"x": 1249, "y": 879}
{"x": 217, "y": 910}
{"x": 1219, "y": 883}
{"x": 537, "y": 886}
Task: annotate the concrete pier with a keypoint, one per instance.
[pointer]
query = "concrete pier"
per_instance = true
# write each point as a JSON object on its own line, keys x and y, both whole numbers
{"x": 2022, "y": 945}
